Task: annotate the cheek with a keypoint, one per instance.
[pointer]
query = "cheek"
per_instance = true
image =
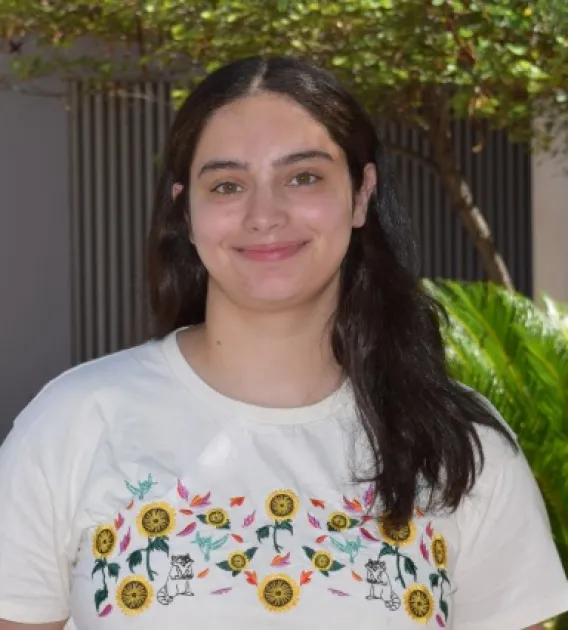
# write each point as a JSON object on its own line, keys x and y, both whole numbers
{"x": 211, "y": 225}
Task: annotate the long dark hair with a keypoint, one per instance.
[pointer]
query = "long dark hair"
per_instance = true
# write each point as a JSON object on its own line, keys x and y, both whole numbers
{"x": 385, "y": 334}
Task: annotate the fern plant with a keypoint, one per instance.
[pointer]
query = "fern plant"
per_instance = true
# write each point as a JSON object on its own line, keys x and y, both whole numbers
{"x": 516, "y": 354}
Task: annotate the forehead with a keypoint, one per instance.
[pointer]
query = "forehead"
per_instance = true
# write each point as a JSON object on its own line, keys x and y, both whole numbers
{"x": 262, "y": 126}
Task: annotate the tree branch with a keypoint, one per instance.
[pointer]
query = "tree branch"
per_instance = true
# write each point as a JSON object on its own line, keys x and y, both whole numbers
{"x": 426, "y": 162}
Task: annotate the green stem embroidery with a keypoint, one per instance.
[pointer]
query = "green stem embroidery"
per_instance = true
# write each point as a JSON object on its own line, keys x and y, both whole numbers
{"x": 274, "y": 541}
{"x": 399, "y": 576}
{"x": 148, "y": 567}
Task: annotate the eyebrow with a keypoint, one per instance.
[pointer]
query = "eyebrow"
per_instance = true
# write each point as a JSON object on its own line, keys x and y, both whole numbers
{"x": 286, "y": 160}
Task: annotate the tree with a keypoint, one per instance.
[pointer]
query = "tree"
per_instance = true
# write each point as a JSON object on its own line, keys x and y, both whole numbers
{"x": 501, "y": 63}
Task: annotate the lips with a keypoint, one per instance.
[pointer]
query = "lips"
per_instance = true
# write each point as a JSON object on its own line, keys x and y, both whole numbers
{"x": 271, "y": 251}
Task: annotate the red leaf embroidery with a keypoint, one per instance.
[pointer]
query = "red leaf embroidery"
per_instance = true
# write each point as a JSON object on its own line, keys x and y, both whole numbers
{"x": 305, "y": 577}
{"x": 352, "y": 506}
{"x": 356, "y": 576}
{"x": 366, "y": 518}
{"x": 369, "y": 496}
{"x": 320, "y": 539}
{"x": 237, "y": 501}
{"x": 314, "y": 521}
{"x": 106, "y": 611}
{"x": 318, "y": 503}
{"x": 199, "y": 501}
{"x": 334, "y": 591}
{"x": 202, "y": 574}
{"x": 424, "y": 550}
{"x": 429, "y": 530}
{"x": 222, "y": 591}
{"x": 119, "y": 521}
{"x": 249, "y": 520}
{"x": 125, "y": 542}
{"x": 251, "y": 577}
{"x": 188, "y": 530}
{"x": 419, "y": 512}
{"x": 238, "y": 538}
{"x": 186, "y": 512}
{"x": 281, "y": 561}
{"x": 368, "y": 535}
{"x": 129, "y": 506}
{"x": 182, "y": 491}
{"x": 440, "y": 621}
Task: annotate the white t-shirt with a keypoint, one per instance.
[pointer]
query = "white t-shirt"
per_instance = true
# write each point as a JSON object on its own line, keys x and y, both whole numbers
{"x": 133, "y": 495}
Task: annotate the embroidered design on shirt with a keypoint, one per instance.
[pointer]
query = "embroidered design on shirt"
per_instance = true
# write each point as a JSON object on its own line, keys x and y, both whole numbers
{"x": 278, "y": 593}
{"x": 395, "y": 537}
{"x": 217, "y": 518}
{"x": 178, "y": 581}
{"x": 419, "y": 603}
{"x": 323, "y": 561}
{"x": 155, "y": 521}
{"x": 282, "y": 507}
{"x": 349, "y": 547}
{"x": 134, "y": 595}
{"x": 440, "y": 578}
{"x": 238, "y": 561}
{"x": 104, "y": 544}
{"x": 380, "y": 584}
{"x": 341, "y": 522}
{"x": 206, "y": 544}
{"x": 140, "y": 491}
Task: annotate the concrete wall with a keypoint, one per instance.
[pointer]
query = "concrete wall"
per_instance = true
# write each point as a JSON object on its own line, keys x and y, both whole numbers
{"x": 35, "y": 301}
{"x": 550, "y": 225}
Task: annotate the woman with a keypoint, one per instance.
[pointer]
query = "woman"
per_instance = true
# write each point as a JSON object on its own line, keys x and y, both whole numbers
{"x": 288, "y": 451}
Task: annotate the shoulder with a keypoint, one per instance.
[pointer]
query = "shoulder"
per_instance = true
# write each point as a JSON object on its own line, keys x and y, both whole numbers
{"x": 81, "y": 398}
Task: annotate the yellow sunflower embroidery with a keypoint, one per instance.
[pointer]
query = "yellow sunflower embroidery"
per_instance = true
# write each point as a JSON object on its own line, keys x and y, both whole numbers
{"x": 134, "y": 595}
{"x": 216, "y": 517}
{"x": 339, "y": 521}
{"x": 400, "y": 535}
{"x": 440, "y": 552}
{"x": 238, "y": 561}
{"x": 156, "y": 519}
{"x": 278, "y": 593}
{"x": 322, "y": 560}
{"x": 419, "y": 603}
{"x": 282, "y": 505}
{"x": 104, "y": 541}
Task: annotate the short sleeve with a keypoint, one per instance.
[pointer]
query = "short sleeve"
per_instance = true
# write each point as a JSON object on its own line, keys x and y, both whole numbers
{"x": 42, "y": 461}
{"x": 508, "y": 574}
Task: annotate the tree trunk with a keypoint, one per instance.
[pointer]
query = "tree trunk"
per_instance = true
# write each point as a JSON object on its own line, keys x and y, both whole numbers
{"x": 474, "y": 222}
{"x": 461, "y": 196}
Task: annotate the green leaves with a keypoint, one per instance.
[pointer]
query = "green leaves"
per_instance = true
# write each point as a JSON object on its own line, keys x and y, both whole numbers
{"x": 262, "y": 533}
{"x": 160, "y": 544}
{"x": 516, "y": 355}
{"x": 134, "y": 560}
{"x": 113, "y": 570}
{"x": 100, "y": 565}
{"x": 100, "y": 596}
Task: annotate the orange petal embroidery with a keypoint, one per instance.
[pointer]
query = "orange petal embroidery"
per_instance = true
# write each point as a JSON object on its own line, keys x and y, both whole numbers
{"x": 237, "y": 501}
{"x": 320, "y": 539}
{"x": 238, "y": 538}
{"x": 251, "y": 577}
{"x": 305, "y": 577}
{"x": 318, "y": 503}
{"x": 202, "y": 574}
{"x": 356, "y": 576}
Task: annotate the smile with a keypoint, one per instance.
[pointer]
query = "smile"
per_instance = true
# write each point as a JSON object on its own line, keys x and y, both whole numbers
{"x": 272, "y": 252}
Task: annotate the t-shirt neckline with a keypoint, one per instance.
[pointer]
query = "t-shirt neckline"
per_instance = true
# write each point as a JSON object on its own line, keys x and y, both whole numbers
{"x": 265, "y": 415}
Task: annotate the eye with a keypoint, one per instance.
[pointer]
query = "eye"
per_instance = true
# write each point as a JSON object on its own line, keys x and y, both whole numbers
{"x": 227, "y": 188}
{"x": 304, "y": 179}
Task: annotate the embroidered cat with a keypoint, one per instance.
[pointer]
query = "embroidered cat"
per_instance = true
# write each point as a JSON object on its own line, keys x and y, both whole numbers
{"x": 178, "y": 581}
{"x": 380, "y": 584}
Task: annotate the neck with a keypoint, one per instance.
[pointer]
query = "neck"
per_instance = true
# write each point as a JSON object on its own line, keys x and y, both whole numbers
{"x": 281, "y": 359}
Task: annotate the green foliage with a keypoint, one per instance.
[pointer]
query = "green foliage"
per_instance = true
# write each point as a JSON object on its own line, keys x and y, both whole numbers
{"x": 505, "y": 59}
{"x": 516, "y": 354}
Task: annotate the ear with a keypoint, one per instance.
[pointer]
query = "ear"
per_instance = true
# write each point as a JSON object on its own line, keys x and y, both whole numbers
{"x": 368, "y": 187}
{"x": 176, "y": 189}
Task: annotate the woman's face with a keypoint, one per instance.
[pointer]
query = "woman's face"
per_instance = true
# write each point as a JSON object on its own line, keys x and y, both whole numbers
{"x": 272, "y": 207}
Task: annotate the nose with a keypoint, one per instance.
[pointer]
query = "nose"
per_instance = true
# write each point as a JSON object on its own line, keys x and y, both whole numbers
{"x": 265, "y": 212}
